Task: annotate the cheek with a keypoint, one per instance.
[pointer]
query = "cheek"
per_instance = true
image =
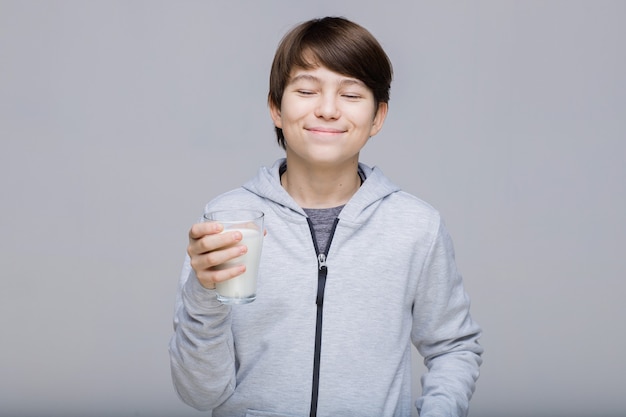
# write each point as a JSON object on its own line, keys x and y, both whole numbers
{"x": 291, "y": 113}
{"x": 365, "y": 118}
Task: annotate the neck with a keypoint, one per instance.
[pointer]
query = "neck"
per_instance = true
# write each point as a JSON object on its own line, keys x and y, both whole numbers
{"x": 321, "y": 188}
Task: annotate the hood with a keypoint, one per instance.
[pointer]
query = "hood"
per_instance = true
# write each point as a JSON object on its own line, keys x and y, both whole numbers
{"x": 375, "y": 188}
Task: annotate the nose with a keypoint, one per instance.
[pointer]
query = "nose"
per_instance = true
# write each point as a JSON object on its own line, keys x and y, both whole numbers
{"x": 327, "y": 107}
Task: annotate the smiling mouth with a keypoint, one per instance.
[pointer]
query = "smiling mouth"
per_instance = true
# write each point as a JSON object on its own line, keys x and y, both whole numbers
{"x": 324, "y": 130}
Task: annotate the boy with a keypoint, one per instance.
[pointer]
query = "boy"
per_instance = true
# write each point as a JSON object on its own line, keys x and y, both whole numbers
{"x": 353, "y": 269}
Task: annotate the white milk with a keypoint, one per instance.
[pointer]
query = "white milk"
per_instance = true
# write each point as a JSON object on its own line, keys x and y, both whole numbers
{"x": 243, "y": 286}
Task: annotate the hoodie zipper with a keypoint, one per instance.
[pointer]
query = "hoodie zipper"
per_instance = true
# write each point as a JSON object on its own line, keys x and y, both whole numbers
{"x": 322, "y": 273}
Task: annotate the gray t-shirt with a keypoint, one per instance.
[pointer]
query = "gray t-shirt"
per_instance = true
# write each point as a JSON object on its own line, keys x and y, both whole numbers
{"x": 322, "y": 220}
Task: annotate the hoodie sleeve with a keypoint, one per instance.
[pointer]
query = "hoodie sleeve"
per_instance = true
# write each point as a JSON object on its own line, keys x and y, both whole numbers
{"x": 201, "y": 349}
{"x": 445, "y": 334}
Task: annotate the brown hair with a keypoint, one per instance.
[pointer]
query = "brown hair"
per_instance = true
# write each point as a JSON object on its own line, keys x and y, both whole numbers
{"x": 338, "y": 44}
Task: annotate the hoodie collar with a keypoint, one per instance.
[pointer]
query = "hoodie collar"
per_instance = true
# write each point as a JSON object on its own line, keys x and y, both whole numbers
{"x": 376, "y": 186}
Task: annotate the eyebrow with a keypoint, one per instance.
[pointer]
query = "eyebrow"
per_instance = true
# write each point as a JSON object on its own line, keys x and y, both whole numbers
{"x": 312, "y": 78}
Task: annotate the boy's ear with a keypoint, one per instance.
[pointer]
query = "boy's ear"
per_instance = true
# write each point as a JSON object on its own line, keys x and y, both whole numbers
{"x": 379, "y": 118}
{"x": 275, "y": 114}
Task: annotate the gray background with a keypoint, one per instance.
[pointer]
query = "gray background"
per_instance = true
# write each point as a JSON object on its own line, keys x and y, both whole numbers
{"x": 120, "y": 119}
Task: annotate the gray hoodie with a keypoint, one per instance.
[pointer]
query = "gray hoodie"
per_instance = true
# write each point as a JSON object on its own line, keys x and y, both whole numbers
{"x": 390, "y": 280}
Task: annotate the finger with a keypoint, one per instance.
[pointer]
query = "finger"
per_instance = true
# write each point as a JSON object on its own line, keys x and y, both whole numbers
{"x": 202, "y": 229}
{"x": 210, "y": 243}
{"x": 210, "y": 277}
{"x": 216, "y": 259}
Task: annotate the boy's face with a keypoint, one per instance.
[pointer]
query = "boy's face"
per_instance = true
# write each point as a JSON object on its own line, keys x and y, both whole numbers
{"x": 327, "y": 117}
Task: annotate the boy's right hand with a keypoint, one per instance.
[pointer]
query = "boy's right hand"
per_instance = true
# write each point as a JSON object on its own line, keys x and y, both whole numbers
{"x": 208, "y": 247}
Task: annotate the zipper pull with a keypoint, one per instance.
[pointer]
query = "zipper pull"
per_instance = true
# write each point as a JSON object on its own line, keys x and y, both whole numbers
{"x": 321, "y": 279}
{"x": 321, "y": 261}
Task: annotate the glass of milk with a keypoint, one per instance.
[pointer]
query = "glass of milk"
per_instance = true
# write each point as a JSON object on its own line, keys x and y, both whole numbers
{"x": 242, "y": 288}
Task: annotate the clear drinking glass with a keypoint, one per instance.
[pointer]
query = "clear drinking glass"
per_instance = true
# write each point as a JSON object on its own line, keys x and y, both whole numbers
{"x": 241, "y": 289}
